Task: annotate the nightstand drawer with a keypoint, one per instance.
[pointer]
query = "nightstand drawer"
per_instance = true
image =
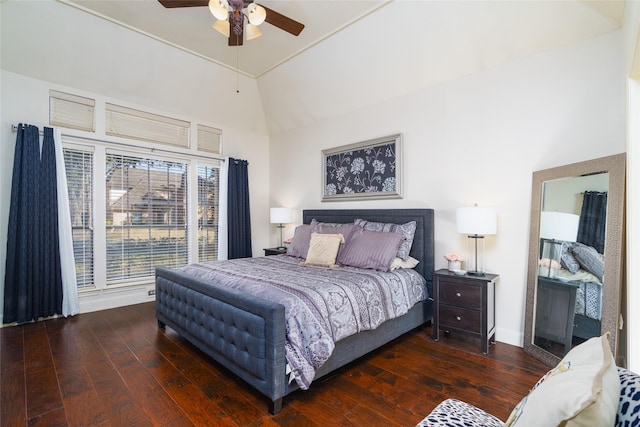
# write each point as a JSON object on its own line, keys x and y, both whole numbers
{"x": 460, "y": 318}
{"x": 460, "y": 295}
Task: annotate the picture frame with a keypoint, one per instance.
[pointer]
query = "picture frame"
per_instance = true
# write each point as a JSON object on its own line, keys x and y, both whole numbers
{"x": 365, "y": 170}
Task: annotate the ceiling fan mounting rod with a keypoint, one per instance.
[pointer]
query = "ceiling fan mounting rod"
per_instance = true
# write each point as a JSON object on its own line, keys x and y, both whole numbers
{"x": 236, "y": 15}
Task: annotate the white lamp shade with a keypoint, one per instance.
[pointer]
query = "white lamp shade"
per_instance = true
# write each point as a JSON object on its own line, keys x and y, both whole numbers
{"x": 219, "y": 8}
{"x": 280, "y": 215}
{"x": 222, "y": 27}
{"x": 257, "y": 14}
{"x": 476, "y": 220}
{"x": 252, "y": 31}
{"x": 559, "y": 226}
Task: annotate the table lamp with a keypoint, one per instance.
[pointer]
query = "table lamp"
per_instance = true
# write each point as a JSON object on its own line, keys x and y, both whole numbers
{"x": 555, "y": 228}
{"x": 476, "y": 222}
{"x": 280, "y": 216}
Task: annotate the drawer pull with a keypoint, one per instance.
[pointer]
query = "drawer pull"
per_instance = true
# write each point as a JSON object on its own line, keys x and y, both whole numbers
{"x": 458, "y": 294}
{"x": 458, "y": 318}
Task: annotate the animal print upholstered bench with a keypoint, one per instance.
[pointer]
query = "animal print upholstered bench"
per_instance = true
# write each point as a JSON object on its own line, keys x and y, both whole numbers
{"x": 599, "y": 394}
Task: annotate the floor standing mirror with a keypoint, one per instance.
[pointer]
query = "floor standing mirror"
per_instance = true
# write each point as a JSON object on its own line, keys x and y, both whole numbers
{"x": 576, "y": 262}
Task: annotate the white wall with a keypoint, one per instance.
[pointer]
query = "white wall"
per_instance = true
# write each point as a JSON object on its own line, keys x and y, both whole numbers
{"x": 632, "y": 68}
{"x": 477, "y": 139}
{"x": 47, "y": 45}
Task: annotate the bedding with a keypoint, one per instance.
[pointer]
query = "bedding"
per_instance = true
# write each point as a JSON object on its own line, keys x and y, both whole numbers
{"x": 588, "y": 294}
{"x": 322, "y": 305}
{"x": 247, "y": 334}
{"x": 583, "y": 264}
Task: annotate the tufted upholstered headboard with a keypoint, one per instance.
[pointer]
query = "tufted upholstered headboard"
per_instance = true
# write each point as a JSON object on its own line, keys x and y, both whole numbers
{"x": 423, "y": 243}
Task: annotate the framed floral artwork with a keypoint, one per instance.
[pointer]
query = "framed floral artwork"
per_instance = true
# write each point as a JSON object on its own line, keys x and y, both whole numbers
{"x": 365, "y": 170}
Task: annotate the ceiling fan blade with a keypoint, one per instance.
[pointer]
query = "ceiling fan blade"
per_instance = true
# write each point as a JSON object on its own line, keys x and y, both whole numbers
{"x": 183, "y": 3}
{"x": 283, "y": 22}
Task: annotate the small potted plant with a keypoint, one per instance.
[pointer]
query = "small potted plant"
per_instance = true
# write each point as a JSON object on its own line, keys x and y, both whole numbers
{"x": 455, "y": 261}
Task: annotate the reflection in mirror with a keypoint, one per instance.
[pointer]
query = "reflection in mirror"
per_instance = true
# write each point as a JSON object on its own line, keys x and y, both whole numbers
{"x": 572, "y": 221}
{"x": 576, "y": 223}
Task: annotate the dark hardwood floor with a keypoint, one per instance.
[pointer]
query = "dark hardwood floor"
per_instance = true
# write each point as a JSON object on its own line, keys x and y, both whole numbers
{"x": 116, "y": 368}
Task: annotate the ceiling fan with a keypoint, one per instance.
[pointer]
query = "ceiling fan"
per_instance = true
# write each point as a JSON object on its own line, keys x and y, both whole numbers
{"x": 231, "y": 16}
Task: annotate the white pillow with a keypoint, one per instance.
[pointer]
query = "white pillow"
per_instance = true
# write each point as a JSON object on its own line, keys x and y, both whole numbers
{"x": 323, "y": 249}
{"x": 583, "y": 390}
{"x": 397, "y": 263}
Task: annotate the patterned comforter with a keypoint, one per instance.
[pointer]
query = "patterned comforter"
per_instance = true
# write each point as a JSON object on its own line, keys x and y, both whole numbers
{"x": 588, "y": 295}
{"x": 322, "y": 305}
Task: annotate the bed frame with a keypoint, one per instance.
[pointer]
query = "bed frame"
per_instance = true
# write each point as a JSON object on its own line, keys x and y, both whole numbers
{"x": 246, "y": 334}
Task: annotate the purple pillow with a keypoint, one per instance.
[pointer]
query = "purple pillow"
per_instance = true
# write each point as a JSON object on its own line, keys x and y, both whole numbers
{"x": 408, "y": 230}
{"x": 346, "y": 230}
{"x": 300, "y": 243}
{"x": 370, "y": 249}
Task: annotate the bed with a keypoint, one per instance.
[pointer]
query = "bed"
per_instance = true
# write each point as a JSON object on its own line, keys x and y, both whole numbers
{"x": 247, "y": 334}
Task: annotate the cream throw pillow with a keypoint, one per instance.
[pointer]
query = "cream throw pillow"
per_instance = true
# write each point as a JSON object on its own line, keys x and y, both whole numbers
{"x": 583, "y": 390}
{"x": 399, "y": 263}
{"x": 323, "y": 249}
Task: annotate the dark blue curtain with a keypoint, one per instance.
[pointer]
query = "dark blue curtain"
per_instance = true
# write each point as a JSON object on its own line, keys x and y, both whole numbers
{"x": 238, "y": 216}
{"x": 593, "y": 220}
{"x": 33, "y": 282}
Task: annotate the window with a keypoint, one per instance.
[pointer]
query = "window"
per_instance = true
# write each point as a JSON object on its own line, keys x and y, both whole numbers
{"x": 208, "y": 209}
{"x": 79, "y": 167}
{"x": 209, "y": 139}
{"x": 154, "y": 204}
{"x": 146, "y": 215}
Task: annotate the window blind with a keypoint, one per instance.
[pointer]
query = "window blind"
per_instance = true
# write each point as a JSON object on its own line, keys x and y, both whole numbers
{"x": 71, "y": 111}
{"x": 129, "y": 123}
{"x": 208, "y": 212}
{"x": 209, "y": 139}
{"x": 79, "y": 168}
{"x": 146, "y": 216}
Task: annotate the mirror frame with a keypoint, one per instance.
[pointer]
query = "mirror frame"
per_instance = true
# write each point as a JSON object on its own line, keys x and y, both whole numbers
{"x": 614, "y": 242}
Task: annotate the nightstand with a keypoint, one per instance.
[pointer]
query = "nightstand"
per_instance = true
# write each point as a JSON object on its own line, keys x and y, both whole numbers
{"x": 274, "y": 251}
{"x": 465, "y": 304}
{"x": 555, "y": 311}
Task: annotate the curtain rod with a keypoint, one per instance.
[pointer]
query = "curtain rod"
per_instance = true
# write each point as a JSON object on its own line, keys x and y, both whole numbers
{"x": 14, "y": 129}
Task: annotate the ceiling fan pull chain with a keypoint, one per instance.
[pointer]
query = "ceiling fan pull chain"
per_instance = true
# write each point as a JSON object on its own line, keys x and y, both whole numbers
{"x": 237, "y": 70}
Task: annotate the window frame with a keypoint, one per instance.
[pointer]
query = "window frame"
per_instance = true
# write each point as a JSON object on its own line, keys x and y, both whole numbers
{"x": 100, "y": 148}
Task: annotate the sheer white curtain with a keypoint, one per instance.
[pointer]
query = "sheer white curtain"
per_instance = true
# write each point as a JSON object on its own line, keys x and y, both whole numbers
{"x": 70, "y": 305}
{"x": 223, "y": 222}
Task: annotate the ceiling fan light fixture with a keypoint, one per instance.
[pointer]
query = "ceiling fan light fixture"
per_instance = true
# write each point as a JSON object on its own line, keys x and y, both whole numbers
{"x": 256, "y": 13}
{"x": 223, "y": 27}
{"x": 219, "y": 9}
{"x": 252, "y": 32}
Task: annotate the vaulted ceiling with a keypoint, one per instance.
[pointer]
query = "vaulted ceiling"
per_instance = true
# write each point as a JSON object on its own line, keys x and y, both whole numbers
{"x": 485, "y": 29}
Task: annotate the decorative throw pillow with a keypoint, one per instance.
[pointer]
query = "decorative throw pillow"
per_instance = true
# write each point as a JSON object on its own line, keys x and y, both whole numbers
{"x": 300, "y": 243}
{"x": 589, "y": 259}
{"x": 346, "y": 230}
{"x": 328, "y": 224}
{"x": 323, "y": 249}
{"x": 369, "y": 249}
{"x": 629, "y": 406}
{"x": 408, "y": 230}
{"x": 582, "y": 390}
{"x": 398, "y": 263}
{"x": 302, "y": 236}
{"x": 567, "y": 259}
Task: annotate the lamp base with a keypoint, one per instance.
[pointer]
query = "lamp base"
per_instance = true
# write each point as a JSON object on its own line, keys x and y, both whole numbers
{"x": 476, "y": 273}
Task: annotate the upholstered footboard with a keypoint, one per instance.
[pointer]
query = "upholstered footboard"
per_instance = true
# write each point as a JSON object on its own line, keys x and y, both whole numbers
{"x": 244, "y": 334}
